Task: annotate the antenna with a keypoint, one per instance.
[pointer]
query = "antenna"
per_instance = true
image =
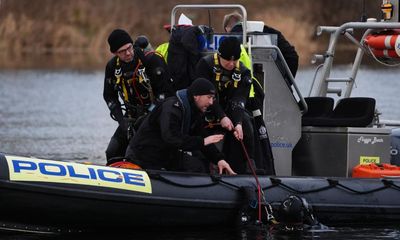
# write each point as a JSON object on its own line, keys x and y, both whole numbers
{"x": 209, "y": 18}
{"x": 364, "y": 14}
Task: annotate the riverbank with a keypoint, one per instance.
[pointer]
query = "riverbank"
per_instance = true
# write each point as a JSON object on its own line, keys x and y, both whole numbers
{"x": 58, "y": 34}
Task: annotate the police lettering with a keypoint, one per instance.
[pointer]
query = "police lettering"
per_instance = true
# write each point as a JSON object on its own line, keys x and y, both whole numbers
{"x": 69, "y": 170}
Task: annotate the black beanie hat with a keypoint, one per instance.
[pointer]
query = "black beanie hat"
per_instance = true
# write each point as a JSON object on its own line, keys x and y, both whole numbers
{"x": 117, "y": 39}
{"x": 201, "y": 86}
{"x": 229, "y": 49}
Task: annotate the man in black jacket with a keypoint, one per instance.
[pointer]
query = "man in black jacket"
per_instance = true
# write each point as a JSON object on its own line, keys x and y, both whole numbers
{"x": 139, "y": 80}
{"x": 172, "y": 133}
{"x": 233, "y": 23}
{"x": 233, "y": 81}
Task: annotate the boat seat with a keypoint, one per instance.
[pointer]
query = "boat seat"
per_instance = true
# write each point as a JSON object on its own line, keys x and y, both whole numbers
{"x": 354, "y": 112}
{"x": 349, "y": 112}
{"x": 318, "y": 108}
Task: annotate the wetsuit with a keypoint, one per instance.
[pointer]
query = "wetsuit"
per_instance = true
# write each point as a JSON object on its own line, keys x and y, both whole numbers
{"x": 171, "y": 130}
{"x": 123, "y": 81}
{"x": 231, "y": 99}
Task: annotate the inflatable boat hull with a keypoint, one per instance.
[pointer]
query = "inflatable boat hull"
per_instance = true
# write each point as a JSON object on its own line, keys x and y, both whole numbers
{"x": 86, "y": 197}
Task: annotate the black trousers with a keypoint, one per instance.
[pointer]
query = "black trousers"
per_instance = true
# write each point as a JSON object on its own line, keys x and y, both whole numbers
{"x": 118, "y": 144}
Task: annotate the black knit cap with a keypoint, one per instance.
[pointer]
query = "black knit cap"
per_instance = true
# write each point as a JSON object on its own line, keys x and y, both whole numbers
{"x": 229, "y": 49}
{"x": 201, "y": 86}
{"x": 117, "y": 39}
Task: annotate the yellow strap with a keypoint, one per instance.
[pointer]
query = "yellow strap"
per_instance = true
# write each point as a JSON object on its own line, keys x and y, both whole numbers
{"x": 122, "y": 82}
{"x": 124, "y": 91}
{"x": 120, "y": 73}
{"x": 139, "y": 75}
{"x": 237, "y": 69}
{"x": 218, "y": 72}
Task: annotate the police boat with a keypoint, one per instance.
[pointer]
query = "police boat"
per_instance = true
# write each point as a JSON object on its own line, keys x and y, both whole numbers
{"x": 331, "y": 158}
{"x": 53, "y": 196}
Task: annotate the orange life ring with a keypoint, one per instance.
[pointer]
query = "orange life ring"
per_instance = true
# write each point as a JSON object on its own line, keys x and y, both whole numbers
{"x": 383, "y": 41}
{"x": 391, "y": 53}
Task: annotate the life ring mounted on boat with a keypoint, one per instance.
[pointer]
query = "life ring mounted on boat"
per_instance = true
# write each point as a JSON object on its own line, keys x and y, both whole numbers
{"x": 384, "y": 45}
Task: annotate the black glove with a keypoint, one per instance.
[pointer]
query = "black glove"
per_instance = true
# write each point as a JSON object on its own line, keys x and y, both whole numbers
{"x": 115, "y": 111}
{"x": 139, "y": 52}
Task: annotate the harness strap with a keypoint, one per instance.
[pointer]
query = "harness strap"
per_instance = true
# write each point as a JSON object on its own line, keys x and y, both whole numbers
{"x": 217, "y": 71}
{"x": 141, "y": 78}
{"x": 120, "y": 80}
{"x": 144, "y": 80}
{"x": 236, "y": 76}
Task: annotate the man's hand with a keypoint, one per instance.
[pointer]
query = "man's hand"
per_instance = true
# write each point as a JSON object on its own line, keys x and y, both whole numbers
{"x": 213, "y": 139}
{"x": 223, "y": 166}
{"x": 226, "y": 123}
{"x": 238, "y": 132}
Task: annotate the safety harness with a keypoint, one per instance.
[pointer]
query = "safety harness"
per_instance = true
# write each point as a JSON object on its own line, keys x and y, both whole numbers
{"x": 236, "y": 75}
{"x": 139, "y": 76}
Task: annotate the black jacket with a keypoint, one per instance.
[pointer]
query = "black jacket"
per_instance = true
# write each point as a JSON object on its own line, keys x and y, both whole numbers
{"x": 161, "y": 135}
{"x": 138, "y": 95}
{"x": 230, "y": 100}
{"x": 288, "y": 51}
{"x": 183, "y": 55}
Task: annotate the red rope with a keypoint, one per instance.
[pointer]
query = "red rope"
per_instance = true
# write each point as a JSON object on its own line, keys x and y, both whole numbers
{"x": 255, "y": 176}
{"x": 134, "y": 84}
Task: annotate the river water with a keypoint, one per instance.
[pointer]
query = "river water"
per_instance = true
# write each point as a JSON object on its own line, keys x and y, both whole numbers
{"x": 61, "y": 115}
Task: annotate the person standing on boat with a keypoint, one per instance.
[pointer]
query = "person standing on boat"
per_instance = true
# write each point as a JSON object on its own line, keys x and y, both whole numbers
{"x": 233, "y": 23}
{"x": 173, "y": 133}
{"x": 136, "y": 79}
{"x": 232, "y": 80}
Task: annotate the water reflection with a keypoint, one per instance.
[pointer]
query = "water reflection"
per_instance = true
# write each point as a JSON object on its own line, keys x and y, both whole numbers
{"x": 199, "y": 233}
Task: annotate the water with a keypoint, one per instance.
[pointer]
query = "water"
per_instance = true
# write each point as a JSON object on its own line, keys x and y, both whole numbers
{"x": 62, "y": 115}
{"x": 55, "y": 115}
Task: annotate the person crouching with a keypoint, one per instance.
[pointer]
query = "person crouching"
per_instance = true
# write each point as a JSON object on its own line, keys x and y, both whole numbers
{"x": 172, "y": 135}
